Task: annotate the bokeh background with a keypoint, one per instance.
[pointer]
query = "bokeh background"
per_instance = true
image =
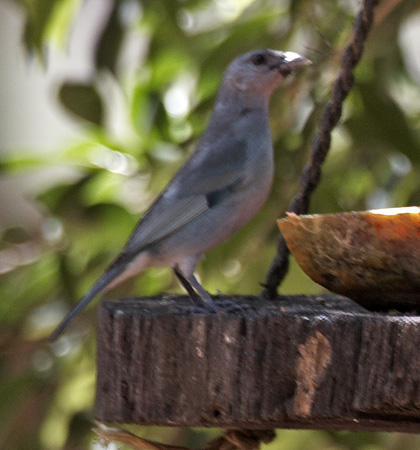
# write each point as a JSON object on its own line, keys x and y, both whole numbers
{"x": 100, "y": 102}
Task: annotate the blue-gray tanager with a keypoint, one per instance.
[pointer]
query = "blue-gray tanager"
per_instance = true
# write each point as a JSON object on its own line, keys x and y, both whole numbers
{"x": 219, "y": 189}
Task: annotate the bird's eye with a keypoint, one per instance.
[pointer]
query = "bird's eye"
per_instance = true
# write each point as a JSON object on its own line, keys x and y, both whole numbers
{"x": 258, "y": 59}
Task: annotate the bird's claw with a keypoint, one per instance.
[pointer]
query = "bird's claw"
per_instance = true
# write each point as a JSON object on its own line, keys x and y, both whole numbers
{"x": 218, "y": 306}
{"x": 229, "y": 306}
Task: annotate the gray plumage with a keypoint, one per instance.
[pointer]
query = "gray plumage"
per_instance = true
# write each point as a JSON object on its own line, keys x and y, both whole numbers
{"x": 219, "y": 189}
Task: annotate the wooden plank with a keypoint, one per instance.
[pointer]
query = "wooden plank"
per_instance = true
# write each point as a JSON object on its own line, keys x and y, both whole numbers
{"x": 319, "y": 362}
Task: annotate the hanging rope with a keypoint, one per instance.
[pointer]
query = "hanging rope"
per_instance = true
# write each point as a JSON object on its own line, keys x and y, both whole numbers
{"x": 321, "y": 142}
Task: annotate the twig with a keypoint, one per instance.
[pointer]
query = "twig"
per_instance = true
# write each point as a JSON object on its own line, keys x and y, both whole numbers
{"x": 231, "y": 439}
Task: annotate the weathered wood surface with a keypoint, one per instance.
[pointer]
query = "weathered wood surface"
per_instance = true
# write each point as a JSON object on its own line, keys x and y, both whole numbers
{"x": 299, "y": 362}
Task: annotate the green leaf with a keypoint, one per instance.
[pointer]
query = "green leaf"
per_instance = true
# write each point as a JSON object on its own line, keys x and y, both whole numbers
{"x": 109, "y": 43}
{"x": 17, "y": 162}
{"x": 37, "y": 19}
{"x": 82, "y": 100}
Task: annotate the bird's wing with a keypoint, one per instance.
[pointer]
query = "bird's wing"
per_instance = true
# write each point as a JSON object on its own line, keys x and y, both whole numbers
{"x": 211, "y": 169}
{"x": 165, "y": 217}
{"x": 203, "y": 182}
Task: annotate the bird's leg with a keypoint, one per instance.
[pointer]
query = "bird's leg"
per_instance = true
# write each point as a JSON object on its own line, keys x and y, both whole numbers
{"x": 186, "y": 285}
{"x": 202, "y": 293}
{"x": 201, "y": 298}
{"x": 227, "y": 306}
{"x": 197, "y": 292}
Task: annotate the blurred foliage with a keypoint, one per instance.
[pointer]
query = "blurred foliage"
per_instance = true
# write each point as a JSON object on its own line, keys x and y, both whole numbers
{"x": 155, "y": 68}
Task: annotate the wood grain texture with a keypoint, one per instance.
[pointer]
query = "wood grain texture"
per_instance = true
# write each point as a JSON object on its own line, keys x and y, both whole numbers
{"x": 297, "y": 362}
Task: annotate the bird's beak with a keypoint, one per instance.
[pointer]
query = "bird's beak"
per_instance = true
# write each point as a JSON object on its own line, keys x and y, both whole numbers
{"x": 293, "y": 61}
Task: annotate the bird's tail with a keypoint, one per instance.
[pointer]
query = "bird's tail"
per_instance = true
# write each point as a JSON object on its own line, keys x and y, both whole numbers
{"x": 95, "y": 290}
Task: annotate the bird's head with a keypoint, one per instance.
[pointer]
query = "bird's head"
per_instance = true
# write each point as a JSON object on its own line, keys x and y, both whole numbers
{"x": 261, "y": 71}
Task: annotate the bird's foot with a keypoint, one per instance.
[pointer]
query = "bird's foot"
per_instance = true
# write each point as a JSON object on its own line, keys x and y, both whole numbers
{"x": 218, "y": 306}
{"x": 229, "y": 306}
{"x": 202, "y": 301}
{"x": 196, "y": 309}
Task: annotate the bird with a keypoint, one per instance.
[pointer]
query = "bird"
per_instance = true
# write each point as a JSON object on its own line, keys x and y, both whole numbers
{"x": 219, "y": 188}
